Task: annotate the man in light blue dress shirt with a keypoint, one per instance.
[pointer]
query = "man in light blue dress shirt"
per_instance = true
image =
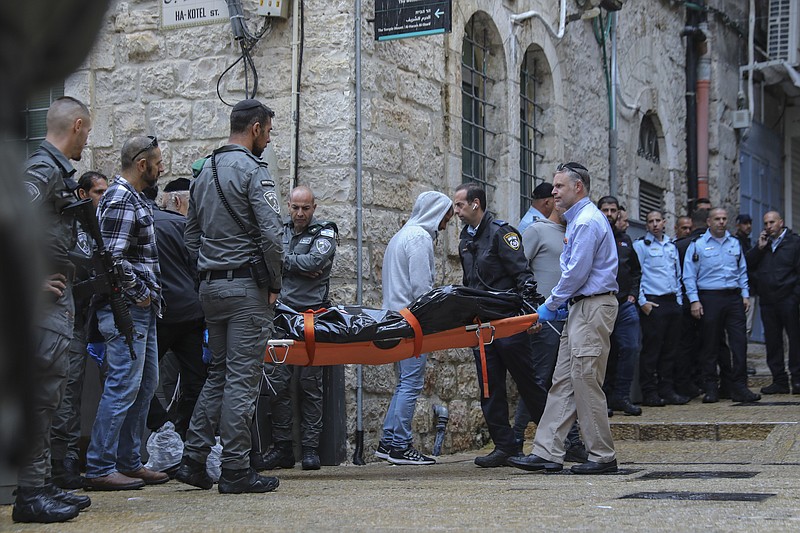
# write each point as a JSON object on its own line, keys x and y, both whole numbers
{"x": 588, "y": 282}
{"x": 715, "y": 277}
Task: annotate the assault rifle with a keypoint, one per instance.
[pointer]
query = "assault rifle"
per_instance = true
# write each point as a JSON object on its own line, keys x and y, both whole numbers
{"x": 109, "y": 276}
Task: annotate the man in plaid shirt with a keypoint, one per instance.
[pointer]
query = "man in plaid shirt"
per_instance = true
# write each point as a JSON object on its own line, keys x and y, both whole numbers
{"x": 113, "y": 460}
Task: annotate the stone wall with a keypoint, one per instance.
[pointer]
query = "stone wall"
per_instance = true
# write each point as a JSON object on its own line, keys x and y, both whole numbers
{"x": 141, "y": 79}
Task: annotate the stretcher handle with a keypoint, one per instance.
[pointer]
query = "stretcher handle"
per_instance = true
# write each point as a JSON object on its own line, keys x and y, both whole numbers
{"x": 483, "y": 325}
{"x": 272, "y": 345}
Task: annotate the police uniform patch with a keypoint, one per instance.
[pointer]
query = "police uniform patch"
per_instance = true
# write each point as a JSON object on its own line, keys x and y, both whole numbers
{"x": 323, "y": 246}
{"x": 327, "y": 232}
{"x": 83, "y": 243}
{"x": 33, "y": 190}
{"x": 305, "y": 240}
{"x": 272, "y": 200}
{"x": 267, "y": 183}
{"x": 512, "y": 239}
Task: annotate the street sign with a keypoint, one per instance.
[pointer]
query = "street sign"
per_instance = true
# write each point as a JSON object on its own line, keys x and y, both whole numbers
{"x": 396, "y": 19}
{"x": 183, "y": 13}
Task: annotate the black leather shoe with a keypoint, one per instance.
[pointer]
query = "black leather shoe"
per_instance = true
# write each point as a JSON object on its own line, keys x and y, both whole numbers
{"x": 534, "y": 463}
{"x": 744, "y": 395}
{"x": 70, "y": 498}
{"x": 32, "y": 504}
{"x": 625, "y": 406}
{"x": 673, "y": 398}
{"x": 493, "y": 460}
{"x": 653, "y": 400}
{"x": 194, "y": 473}
{"x": 280, "y": 456}
{"x": 310, "y": 458}
{"x": 576, "y": 453}
{"x": 712, "y": 396}
{"x": 775, "y": 388}
{"x": 66, "y": 474}
{"x": 590, "y": 467}
{"x": 246, "y": 480}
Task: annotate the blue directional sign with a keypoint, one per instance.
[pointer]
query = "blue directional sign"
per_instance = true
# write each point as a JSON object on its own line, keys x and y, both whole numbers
{"x": 396, "y": 19}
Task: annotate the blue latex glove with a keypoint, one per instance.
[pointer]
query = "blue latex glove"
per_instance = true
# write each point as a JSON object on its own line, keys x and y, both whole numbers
{"x": 97, "y": 351}
{"x": 562, "y": 313}
{"x": 545, "y": 314}
{"x": 206, "y": 349}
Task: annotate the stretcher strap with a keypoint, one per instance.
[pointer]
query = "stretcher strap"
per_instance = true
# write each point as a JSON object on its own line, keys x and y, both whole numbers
{"x": 484, "y": 371}
{"x": 414, "y": 323}
{"x": 308, "y": 333}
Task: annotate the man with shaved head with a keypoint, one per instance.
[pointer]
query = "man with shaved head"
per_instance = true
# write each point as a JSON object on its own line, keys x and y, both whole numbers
{"x": 50, "y": 184}
{"x": 775, "y": 262}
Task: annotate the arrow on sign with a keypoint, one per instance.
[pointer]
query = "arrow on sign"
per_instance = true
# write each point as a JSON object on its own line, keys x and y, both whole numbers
{"x": 439, "y": 13}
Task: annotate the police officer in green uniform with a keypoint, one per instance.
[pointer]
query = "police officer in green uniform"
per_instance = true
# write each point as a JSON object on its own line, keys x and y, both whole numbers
{"x": 309, "y": 246}
{"x": 234, "y": 229}
{"x": 49, "y": 182}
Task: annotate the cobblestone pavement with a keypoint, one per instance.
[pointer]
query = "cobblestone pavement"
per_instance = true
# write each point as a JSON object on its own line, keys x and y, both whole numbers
{"x": 679, "y": 465}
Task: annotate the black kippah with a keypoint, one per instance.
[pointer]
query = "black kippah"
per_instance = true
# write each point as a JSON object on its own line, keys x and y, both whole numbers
{"x": 248, "y": 104}
{"x": 179, "y": 184}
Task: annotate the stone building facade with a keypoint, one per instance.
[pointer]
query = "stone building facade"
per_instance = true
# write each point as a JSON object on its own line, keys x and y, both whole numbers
{"x": 520, "y": 93}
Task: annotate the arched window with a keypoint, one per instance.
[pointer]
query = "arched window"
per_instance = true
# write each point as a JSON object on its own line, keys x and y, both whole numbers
{"x": 648, "y": 139}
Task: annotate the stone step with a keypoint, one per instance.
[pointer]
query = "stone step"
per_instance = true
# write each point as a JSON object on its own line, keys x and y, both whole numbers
{"x": 687, "y": 431}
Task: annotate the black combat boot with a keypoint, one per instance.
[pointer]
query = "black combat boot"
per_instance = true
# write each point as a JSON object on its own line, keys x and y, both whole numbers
{"x": 34, "y": 505}
{"x": 310, "y": 458}
{"x": 280, "y": 456}
{"x": 193, "y": 473}
{"x": 245, "y": 480}
{"x": 70, "y": 498}
{"x": 66, "y": 474}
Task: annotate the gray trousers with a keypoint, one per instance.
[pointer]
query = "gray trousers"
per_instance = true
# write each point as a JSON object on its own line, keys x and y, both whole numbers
{"x": 310, "y": 399}
{"x": 49, "y": 380}
{"x": 577, "y": 390}
{"x": 239, "y": 320}
{"x": 66, "y": 430}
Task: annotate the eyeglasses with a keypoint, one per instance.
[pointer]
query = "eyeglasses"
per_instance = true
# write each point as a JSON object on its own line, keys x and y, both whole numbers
{"x": 152, "y": 144}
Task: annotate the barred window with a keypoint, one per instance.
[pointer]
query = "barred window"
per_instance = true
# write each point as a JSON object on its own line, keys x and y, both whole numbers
{"x": 474, "y": 89}
{"x": 648, "y": 139}
{"x": 530, "y": 111}
{"x": 34, "y": 116}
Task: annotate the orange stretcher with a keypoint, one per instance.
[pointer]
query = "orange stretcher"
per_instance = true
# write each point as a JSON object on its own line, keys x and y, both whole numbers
{"x": 310, "y": 353}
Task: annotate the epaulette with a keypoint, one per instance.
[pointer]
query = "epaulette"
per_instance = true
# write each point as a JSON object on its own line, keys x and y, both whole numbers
{"x": 647, "y": 242}
{"x": 325, "y": 228}
{"x": 499, "y": 222}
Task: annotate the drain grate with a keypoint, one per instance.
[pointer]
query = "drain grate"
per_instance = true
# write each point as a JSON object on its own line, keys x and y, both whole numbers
{"x": 701, "y": 496}
{"x": 698, "y": 475}
{"x": 751, "y": 404}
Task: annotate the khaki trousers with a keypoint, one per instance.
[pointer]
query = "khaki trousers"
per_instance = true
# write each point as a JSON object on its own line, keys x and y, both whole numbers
{"x": 577, "y": 390}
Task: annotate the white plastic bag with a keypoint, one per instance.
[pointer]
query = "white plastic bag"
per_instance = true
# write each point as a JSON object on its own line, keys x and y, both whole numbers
{"x": 165, "y": 448}
{"x": 214, "y": 461}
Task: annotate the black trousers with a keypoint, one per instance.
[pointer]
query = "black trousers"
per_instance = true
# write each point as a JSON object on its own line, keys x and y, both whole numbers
{"x": 723, "y": 313}
{"x": 185, "y": 339}
{"x": 661, "y": 331}
{"x": 511, "y": 354}
{"x": 779, "y": 317}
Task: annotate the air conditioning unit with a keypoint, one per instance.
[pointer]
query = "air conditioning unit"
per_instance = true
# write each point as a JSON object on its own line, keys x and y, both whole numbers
{"x": 783, "y": 33}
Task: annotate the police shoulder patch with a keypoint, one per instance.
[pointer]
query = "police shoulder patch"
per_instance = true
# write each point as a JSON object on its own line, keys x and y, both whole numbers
{"x": 33, "y": 190}
{"x": 323, "y": 246}
{"x": 512, "y": 240}
{"x": 272, "y": 200}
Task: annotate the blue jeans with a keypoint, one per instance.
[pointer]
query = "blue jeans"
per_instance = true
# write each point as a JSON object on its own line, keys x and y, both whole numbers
{"x": 624, "y": 353}
{"x": 397, "y": 424}
{"x": 129, "y": 386}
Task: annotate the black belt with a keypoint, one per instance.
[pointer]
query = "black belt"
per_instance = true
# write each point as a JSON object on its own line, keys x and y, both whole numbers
{"x": 242, "y": 272}
{"x": 721, "y": 292}
{"x": 670, "y": 296}
{"x": 578, "y": 298}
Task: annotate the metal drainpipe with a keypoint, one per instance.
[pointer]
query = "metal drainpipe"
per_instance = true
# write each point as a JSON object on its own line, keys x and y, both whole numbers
{"x": 358, "y": 453}
{"x": 703, "y": 85}
{"x": 691, "y": 107}
{"x": 295, "y": 91}
{"x": 613, "y": 134}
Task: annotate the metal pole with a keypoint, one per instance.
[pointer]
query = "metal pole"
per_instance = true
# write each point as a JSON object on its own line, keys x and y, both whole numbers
{"x": 358, "y": 453}
{"x": 612, "y": 119}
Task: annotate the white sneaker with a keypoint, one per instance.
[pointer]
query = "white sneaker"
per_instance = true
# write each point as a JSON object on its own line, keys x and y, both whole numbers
{"x": 409, "y": 456}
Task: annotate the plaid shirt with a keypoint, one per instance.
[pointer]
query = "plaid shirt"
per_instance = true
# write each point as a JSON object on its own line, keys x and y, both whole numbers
{"x": 126, "y": 222}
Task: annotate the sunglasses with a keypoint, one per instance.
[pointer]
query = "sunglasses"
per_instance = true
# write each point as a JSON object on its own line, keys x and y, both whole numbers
{"x": 577, "y": 168}
{"x": 152, "y": 144}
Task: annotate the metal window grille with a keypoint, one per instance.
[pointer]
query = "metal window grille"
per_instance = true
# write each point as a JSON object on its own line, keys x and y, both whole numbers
{"x": 529, "y": 112}
{"x": 651, "y": 198}
{"x": 474, "y": 132}
{"x": 648, "y": 140}
{"x": 34, "y": 116}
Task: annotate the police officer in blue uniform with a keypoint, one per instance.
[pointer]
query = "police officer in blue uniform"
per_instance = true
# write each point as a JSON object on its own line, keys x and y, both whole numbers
{"x": 715, "y": 277}
{"x": 492, "y": 259}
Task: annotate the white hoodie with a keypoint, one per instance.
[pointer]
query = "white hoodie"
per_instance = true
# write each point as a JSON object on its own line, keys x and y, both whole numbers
{"x": 408, "y": 264}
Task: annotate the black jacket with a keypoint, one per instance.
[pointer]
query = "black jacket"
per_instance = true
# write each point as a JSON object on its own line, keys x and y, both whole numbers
{"x": 178, "y": 275}
{"x": 629, "y": 270}
{"x": 493, "y": 259}
{"x": 776, "y": 274}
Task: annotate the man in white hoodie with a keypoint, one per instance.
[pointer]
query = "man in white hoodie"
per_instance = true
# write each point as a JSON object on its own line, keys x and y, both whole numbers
{"x": 408, "y": 273}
